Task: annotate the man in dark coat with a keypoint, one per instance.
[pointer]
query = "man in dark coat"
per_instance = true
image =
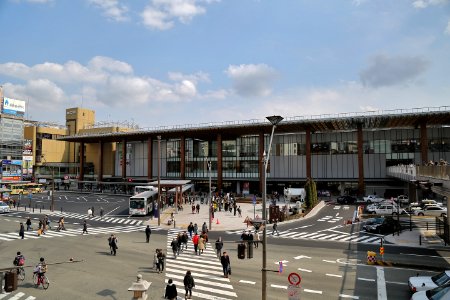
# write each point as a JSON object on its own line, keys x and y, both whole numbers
{"x": 171, "y": 291}
{"x": 148, "y": 232}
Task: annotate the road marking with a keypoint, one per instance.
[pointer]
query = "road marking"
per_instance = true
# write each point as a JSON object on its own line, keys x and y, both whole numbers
{"x": 395, "y": 282}
{"x": 329, "y": 261}
{"x": 381, "y": 284}
{"x": 366, "y": 279}
{"x": 304, "y": 270}
{"x": 283, "y": 261}
{"x": 302, "y": 256}
{"x": 424, "y": 255}
{"x": 348, "y": 296}
{"x": 333, "y": 275}
{"x": 279, "y": 286}
{"x": 246, "y": 281}
{"x": 312, "y": 291}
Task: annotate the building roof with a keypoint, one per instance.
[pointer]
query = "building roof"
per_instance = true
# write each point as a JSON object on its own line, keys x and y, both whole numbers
{"x": 398, "y": 118}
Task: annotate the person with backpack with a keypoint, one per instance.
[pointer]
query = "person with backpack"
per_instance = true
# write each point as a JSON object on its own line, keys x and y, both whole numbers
{"x": 112, "y": 240}
{"x": 28, "y": 223}
{"x": 219, "y": 246}
{"x": 148, "y": 232}
{"x": 189, "y": 284}
{"x": 161, "y": 260}
{"x": 275, "y": 228}
{"x": 19, "y": 260}
{"x": 171, "y": 291}
{"x": 22, "y": 231}
{"x": 174, "y": 246}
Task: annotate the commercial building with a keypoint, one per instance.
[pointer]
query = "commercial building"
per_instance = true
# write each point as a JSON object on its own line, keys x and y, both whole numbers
{"x": 347, "y": 152}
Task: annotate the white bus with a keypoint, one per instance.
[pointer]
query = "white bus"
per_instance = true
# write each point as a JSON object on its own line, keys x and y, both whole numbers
{"x": 144, "y": 188}
{"x": 143, "y": 203}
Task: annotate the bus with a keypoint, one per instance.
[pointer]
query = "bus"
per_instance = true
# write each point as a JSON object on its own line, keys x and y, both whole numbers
{"x": 24, "y": 188}
{"x": 143, "y": 204}
{"x": 143, "y": 188}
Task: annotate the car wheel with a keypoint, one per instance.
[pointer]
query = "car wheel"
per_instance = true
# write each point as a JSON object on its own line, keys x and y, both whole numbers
{"x": 368, "y": 201}
{"x": 443, "y": 215}
{"x": 420, "y": 214}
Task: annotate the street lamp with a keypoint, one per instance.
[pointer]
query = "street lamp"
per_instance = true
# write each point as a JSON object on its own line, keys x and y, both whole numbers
{"x": 274, "y": 120}
{"x": 159, "y": 180}
{"x": 210, "y": 199}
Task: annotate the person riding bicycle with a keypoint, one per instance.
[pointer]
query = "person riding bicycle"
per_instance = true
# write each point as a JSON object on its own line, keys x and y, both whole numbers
{"x": 41, "y": 268}
{"x": 61, "y": 224}
{"x": 19, "y": 260}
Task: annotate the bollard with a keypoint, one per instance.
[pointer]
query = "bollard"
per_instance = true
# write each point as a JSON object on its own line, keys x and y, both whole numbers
{"x": 40, "y": 209}
{"x": 420, "y": 240}
{"x": 173, "y": 223}
{"x": 33, "y": 209}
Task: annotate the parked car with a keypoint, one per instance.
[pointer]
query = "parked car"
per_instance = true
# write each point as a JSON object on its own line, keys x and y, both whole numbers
{"x": 4, "y": 208}
{"x": 388, "y": 209}
{"x": 425, "y": 283}
{"x": 431, "y": 210}
{"x": 426, "y": 202}
{"x": 382, "y": 225}
{"x": 439, "y": 293}
{"x": 346, "y": 199}
{"x": 373, "y": 199}
{"x": 403, "y": 199}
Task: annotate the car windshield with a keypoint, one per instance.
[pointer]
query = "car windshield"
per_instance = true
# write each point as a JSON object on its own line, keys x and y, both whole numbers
{"x": 374, "y": 221}
{"x": 438, "y": 293}
{"x": 3, "y": 204}
{"x": 440, "y": 279}
{"x": 137, "y": 204}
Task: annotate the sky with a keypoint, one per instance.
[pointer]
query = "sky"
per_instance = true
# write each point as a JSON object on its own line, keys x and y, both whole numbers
{"x": 158, "y": 63}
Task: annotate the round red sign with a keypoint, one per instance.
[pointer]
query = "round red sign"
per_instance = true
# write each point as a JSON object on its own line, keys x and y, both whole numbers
{"x": 294, "y": 279}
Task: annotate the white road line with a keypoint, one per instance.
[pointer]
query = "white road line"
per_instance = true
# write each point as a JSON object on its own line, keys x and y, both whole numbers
{"x": 329, "y": 261}
{"x": 424, "y": 255}
{"x": 246, "y": 281}
{"x": 279, "y": 286}
{"x": 348, "y": 296}
{"x": 395, "y": 282}
{"x": 312, "y": 291}
{"x": 381, "y": 284}
{"x": 366, "y": 279}
{"x": 30, "y": 298}
{"x": 371, "y": 239}
{"x": 302, "y": 256}
{"x": 333, "y": 275}
{"x": 17, "y": 296}
{"x": 304, "y": 270}
{"x": 327, "y": 236}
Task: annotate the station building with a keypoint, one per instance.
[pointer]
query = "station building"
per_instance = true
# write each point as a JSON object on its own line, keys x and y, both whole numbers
{"x": 343, "y": 153}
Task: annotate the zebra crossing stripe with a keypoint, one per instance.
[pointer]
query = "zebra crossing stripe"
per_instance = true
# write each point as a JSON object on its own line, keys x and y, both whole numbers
{"x": 207, "y": 289}
{"x": 327, "y": 236}
{"x": 338, "y": 237}
{"x": 287, "y": 234}
{"x": 348, "y": 238}
{"x": 6, "y": 239}
{"x": 181, "y": 277}
{"x": 127, "y": 221}
{"x": 372, "y": 239}
{"x": 316, "y": 236}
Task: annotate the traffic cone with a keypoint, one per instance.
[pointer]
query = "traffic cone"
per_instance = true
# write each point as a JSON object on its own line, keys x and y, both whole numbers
{"x": 217, "y": 221}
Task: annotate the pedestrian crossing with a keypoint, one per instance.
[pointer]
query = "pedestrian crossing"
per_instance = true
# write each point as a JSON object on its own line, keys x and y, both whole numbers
{"x": 106, "y": 219}
{"x": 205, "y": 268}
{"x": 330, "y": 219}
{"x": 322, "y": 236}
{"x": 16, "y": 296}
{"x": 11, "y": 236}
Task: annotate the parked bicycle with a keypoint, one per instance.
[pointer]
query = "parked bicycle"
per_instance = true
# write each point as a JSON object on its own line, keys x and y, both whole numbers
{"x": 21, "y": 273}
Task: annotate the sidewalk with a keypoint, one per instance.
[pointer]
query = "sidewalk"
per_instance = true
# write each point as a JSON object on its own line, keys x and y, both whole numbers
{"x": 416, "y": 238}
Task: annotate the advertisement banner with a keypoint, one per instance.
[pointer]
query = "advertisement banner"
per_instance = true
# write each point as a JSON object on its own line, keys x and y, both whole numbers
{"x": 13, "y": 106}
{"x": 27, "y": 147}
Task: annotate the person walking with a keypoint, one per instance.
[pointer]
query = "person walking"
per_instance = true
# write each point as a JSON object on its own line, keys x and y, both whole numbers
{"x": 28, "y": 222}
{"x": 195, "y": 242}
{"x": 190, "y": 229}
{"x": 101, "y": 212}
{"x": 195, "y": 228}
{"x": 275, "y": 227}
{"x": 171, "y": 291}
{"x": 22, "y": 231}
{"x": 225, "y": 261}
{"x": 155, "y": 260}
{"x": 161, "y": 260}
{"x": 92, "y": 209}
{"x": 174, "y": 246}
{"x": 112, "y": 241}
{"x": 148, "y": 232}
{"x": 201, "y": 245}
{"x": 89, "y": 212}
{"x": 256, "y": 242}
{"x": 184, "y": 239}
{"x": 204, "y": 227}
{"x": 189, "y": 284}
{"x": 239, "y": 211}
{"x": 219, "y": 246}
{"x": 85, "y": 228}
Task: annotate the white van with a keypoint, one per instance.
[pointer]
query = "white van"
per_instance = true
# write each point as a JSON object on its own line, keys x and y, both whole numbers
{"x": 294, "y": 194}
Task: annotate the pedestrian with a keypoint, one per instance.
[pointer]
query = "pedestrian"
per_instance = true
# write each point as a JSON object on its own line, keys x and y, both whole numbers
{"x": 198, "y": 208}
{"x": 22, "y": 231}
{"x": 234, "y": 209}
{"x": 275, "y": 227}
{"x": 239, "y": 211}
{"x": 190, "y": 229}
{"x": 219, "y": 246}
{"x": 92, "y": 211}
{"x": 204, "y": 227}
{"x": 184, "y": 239}
{"x": 161, "y": 260}
{"x": 256, "y": 242}
{"x": 28, "y": 222}
{"x": 89, "y": 212}
{"x": 195, "y": 228}
{"x": 174, "y": 246}
{"x": 195, "y": 242}
{"x": 201, "y": 245}
{"x": 112, "y": 241}
{"x": 148, "y": 232}
{"x": 225, "y": 261}
{"x": 101, "y": 212}
{"x": 85, "y": 227}
{"x": 155, "y": 260}
{"x": 193, "y": 208}
{"x": 189, "y": 284}
{"x": 171, "y": 291}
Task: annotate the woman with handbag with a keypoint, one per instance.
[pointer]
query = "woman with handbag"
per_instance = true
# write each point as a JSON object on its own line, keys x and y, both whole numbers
{"x": 225, "y": 261}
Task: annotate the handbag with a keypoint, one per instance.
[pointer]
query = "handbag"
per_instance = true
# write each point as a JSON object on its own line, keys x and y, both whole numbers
{"x": 229, "y": 269}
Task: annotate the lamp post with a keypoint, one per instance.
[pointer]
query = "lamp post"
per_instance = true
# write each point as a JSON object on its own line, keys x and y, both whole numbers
{"x": 274, "y": 120}
{"x": 159, "y": 180}
{"x": 210, "y": 198}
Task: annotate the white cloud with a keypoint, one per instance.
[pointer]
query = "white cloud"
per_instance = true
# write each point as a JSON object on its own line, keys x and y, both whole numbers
{"x": 162, "y": 14}
{"x": 426, "y": 3}
{"x": 112, "y": 9}
{"x": 252, "y": 80}
{"x": 447, "y": 30}
{"x": 392, "y": 70}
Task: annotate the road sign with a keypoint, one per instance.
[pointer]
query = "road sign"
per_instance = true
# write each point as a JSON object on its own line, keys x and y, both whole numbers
{"x": 294, "y": 278}
{"x": 293, "y": 292}
{"x": 66, "y": 177}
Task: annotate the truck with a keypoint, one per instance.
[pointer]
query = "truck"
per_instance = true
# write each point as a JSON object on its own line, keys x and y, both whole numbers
{"x": 295, "y": 194}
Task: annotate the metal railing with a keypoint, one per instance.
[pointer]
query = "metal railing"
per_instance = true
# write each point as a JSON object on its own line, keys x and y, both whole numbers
{"x": 442, "y": 229}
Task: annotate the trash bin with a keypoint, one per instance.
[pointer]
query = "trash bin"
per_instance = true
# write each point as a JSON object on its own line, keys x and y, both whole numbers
{"x": 250, "y": 250}
{"x": 241, "y": 251}
{"x": 10, "y": 281}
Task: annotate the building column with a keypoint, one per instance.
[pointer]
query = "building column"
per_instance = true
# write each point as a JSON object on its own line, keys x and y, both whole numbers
{"x": 360, "y": 143}
{"x": 423, "y": 143}
{"x": 124, "y": 159}
{"x": 149, "y": 159}
{"x": 81, "y": 176}
{"x": 308, "y": 152}
{"x": 183, "y": 157}
{"x": 260, "y": 160}
{"x": 219, "y": 162}
{"x": 100, "y": 161}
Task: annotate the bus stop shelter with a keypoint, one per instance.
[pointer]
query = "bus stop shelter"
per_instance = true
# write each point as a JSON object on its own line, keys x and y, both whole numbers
{"x": 176, "y": 186}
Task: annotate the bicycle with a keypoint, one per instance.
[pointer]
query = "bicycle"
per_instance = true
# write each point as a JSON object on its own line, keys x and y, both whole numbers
{"x": 21, "y": 273}
{"x": 41, "y": 279}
